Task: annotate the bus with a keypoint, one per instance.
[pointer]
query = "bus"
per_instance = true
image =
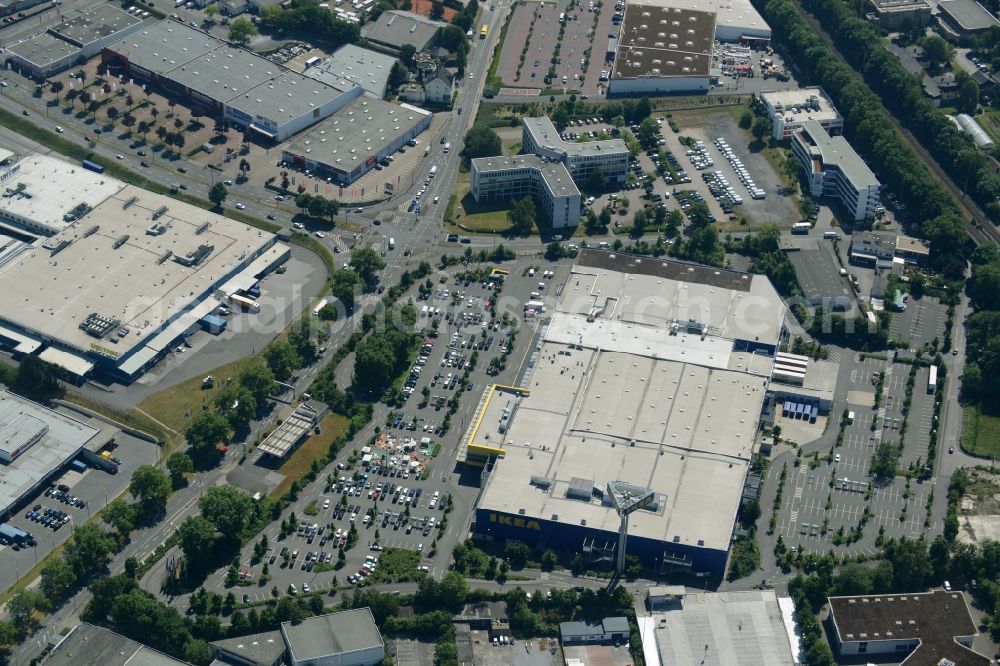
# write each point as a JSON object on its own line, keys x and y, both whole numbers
{"x": 92, "y": 166}
{"x": 801, "y": 228}
{"x": 245, "y": 303}
{"x": 482, "y": 32}
{"x": 932, "y": 380}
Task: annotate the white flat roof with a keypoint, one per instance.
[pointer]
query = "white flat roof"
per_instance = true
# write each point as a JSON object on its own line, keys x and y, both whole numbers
{"x": 802, "y": 104}
{"x": 65, "y": 437}
{"x": 736, "y": 14}
{"x": 52, "y": 188}
{"x": 138, "y": 282}
{"x": 73, "y": 363}
{"x": 740, "y": 629}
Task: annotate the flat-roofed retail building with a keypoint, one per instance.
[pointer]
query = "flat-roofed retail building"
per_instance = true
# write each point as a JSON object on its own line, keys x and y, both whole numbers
{"x": 652, "y": 372}
{"x": 78, "y": 37}
{"x": 247, "y": 89}
{"x": 35, "y": 444}
{"x": 508, "y": 178}
{"x": 663, "y": 50}
{"x": 347, "y": 638}
{"x": 120, "y": 282}
{"x": 350, "y": 143}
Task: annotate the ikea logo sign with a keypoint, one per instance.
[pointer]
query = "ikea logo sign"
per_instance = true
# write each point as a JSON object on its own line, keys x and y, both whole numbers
{"x": 512, "y": 521}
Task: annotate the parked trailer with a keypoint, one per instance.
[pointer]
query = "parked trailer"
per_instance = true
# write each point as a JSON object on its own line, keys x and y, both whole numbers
{"x": 10, "y": 535}
{"x": 537, "y": 306}
{"x": 801, "y": 228}
{"x": 932, "y": 380}
{"x": 92, "y": 166}
{"x": 245, "y": 303}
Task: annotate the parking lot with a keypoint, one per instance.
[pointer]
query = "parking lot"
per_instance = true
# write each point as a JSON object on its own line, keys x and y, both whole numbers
{"x": 579, "y": 55}
{"x": 825, "y": 498}
{"x": 920, "y": 323}
{"x": 94, "y": 488}
{"x": 394, "y": 491}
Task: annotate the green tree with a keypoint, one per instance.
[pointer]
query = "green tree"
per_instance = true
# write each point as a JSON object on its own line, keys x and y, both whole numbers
{"x": 596, "y": 182}
{"x": 761, "y": 128}
{"x": 197, "y": 537}
{"x": 937, "y": 52}
{"x": 367, "y": 263}
{"x": 38, "y": 379}
{"x": 374, "y": 364}
{"x": 968, "y": 95}
{"x": 549, "y": 560}
{"x": 746, "y": 119}
{"x": 885, "y": 460}
{"x": 57, "y": 579}
{"x": 407, "y": 51}
{"x": 119, "y": 515}
{"x": 150, "y": 486}
{"x": 204, "y": 434}
{"x": 211, "y": 11}
{"x": 481, "y": 141}
{"x": 649, "y": 132}
{"x": 453, "y": 590}
{"x": 228, "y": 509}
{"x": 259, "y": 380}
{"x": 517, "y": 553}
{"x": 178, "y": 465}
{"x": 217, "y": 194}
{"x": 398, "y": 75}
{"x": 197, "y": 651}
{"x": 345, "y": 284}
{"x": 88, "y": 549}
{"x": 282, "y": 359}
{"x": 24, "y": 603}
{"x": 522, "y": 216}
{"x": 236, "y": 404}
{"x": 241, "y": 31}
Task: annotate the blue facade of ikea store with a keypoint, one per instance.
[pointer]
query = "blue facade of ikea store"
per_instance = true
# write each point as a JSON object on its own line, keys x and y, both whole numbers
{"x": 563, "y": 536}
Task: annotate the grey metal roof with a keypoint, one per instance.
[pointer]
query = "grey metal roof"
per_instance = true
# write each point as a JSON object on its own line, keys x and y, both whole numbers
{"x": 544, "y": 133}
{"x": 352, "y": 65}
{"x": 89, "y": 644}
{"x": 554, "y": 174}
{"x": 836, "y": 151}
{"x": 968, "y": 14}
{"x": 97, "y": 23}
{"x": 356, "y": 132}
{"x": 336, "y": 633}
{"x": 263, "y": 648}
{"x": 395, "y": 28}
{"x": 43, "y": 49}
{"x": 164, "y": 46}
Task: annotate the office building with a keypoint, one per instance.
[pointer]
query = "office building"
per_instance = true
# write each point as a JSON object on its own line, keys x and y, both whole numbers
{"x": 789, "y": 109}
{"x": 610, "y": 157}
{"x": 648, "y": 371}
{"x": 833, "y": 169}
{"x": 79, "y": 37}
{"x": 246, "y": 89}
{"x": 115, "y": 275}
{"x": 351, "y": 142}
{"x": 506, "y": 179}
{"x": 347, "y": 638}
{"x": 892, "y": 14}
{"x": 921, "y": 629}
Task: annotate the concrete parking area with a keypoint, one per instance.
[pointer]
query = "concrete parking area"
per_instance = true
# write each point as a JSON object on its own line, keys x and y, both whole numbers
{"x": 95, "y": 487}
{"x": 920, "y": 323}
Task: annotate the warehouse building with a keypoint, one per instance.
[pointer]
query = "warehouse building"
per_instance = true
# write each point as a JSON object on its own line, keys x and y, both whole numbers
{"x": 78, "y": 38}
{"x": 663, "y": 50}
{"x": 508, "y": 178}
{"x": 243, "y": 87}
{"x": 649, "y": 371}
{"x": 833, "y": 169}
{"x": 540, "y": 137}
{"x": 352, "y": 66}
{"x": 736, "y": 628}
{"x": 264, "y": 649}
{"x": 90, "y": 644}
{"x": 789, "y": 109}
{"x": 127, "y": 275}
{"x": 965, "y": 18}
{"x": 350, "y": 143}
{"x": 347, "y": 638}
{"x": 925, "y": 629}
{"x": 36, "y": 443}
{"x": 394, "y": 28}
{"x": 819, "y": 278}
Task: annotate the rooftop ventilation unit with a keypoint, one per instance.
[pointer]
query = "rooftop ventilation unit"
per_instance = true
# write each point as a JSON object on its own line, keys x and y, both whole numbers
{"x": 121, "y": 240}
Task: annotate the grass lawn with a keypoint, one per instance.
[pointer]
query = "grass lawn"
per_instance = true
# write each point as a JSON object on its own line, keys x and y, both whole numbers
{"x": 133, "y": 418}
{"x": 176, "y": 405}
{"x": 490, "y": 218}
{"x": 396, "y": 565}
{"x": 980, "y": 433}
{"x": 331, "y": 427}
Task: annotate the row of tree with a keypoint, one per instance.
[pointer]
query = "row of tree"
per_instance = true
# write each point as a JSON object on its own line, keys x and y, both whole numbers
{"x": 982, "y": 350}
{"x": 305, "y": 19}
{"x": 872, "y": 133}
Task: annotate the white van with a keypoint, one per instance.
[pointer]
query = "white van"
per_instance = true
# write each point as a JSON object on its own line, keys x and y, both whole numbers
{"x": 535, "y": 295}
